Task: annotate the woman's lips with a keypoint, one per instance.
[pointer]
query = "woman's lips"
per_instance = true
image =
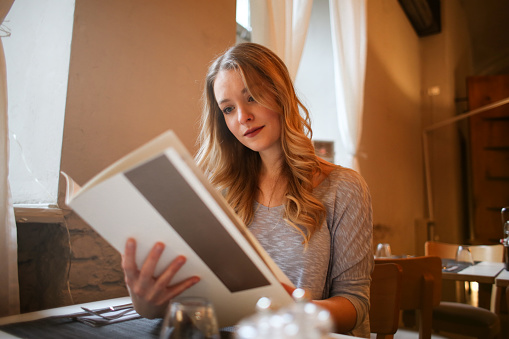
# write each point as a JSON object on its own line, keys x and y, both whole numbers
{"x": 253, "y": 132}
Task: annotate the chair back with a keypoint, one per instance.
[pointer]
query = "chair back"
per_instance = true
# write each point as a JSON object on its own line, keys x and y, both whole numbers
{"x": 385, "y": 298}
{"x": 421, "y": 287}
{"x": 493, "y": 253}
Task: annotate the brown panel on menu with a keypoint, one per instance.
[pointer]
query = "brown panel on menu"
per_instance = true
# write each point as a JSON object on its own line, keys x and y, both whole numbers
{"x": 163, "y": 186}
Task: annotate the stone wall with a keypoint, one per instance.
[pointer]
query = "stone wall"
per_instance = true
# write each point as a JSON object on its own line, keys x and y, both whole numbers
{"x": 96, "y": 272}
{"x": 60, "y": 266}
{"x": 43, "y": 261}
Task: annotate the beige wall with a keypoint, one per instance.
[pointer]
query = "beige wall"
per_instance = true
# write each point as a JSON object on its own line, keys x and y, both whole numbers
{"x": 136, "y": 70}
{"x": 446, "y": 63}
{"x": 400, "y": 68}
{"x": 390, "y": 146}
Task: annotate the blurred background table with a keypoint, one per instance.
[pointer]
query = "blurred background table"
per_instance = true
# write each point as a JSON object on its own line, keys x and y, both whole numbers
{"x": 483, "y": 273}
{"x": 502, "y": 285}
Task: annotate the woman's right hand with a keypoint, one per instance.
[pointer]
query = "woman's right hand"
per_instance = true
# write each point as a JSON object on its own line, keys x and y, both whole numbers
{"x": 150, "y": 294}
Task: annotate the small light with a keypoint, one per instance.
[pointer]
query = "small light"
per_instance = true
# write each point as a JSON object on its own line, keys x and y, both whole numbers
{"x": 276, "y": 321}
{"x": 291, "y": 329}
{"x": 298, "y": 294}
{"x": 310, "y": 308}
{"x": 433, "y": 91}
{"x": 263, "y": 303}
{"x": 247, "y": 332}
{"x": 323, "y": 315}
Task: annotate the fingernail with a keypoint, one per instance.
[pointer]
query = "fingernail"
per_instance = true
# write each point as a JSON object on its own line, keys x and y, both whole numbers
{"x": 159, "y": 247}
{"x": 130, "y": 243}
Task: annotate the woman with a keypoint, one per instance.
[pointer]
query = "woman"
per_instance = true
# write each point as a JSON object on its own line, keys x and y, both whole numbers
{"x": 312, "y": 217}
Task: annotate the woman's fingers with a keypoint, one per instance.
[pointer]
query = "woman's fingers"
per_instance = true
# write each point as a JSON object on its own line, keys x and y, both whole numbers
{"x": 161, "y": 284}
{"x": 164, "y": 279}
{"x": 180, "y": 287}
{"x": 129, "y": 260}
{"x": 144, "y": 286}
{"x": 147, "y": 270}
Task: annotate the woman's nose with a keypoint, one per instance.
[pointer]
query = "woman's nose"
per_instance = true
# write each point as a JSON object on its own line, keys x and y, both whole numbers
{"x": 244, "y": 115}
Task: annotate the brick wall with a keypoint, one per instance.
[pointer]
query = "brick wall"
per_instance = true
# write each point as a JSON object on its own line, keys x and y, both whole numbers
{"x": 60, "y": 266}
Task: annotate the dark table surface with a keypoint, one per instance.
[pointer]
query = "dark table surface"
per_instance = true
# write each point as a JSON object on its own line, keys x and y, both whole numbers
{"x": 52, "y": 328}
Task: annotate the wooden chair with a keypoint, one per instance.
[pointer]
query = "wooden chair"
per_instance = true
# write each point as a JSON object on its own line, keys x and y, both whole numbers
{"x": 494, "y": 253}
{"x": 460, "y": 318}
{"x": 421, "y": 288}
{"x": 385, "y": 297}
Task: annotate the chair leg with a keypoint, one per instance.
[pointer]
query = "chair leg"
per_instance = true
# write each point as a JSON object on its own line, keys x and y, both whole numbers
{"x": 425, "y": 315}
{"x": 461, "y": 292}
{"x": 384, "y": 336}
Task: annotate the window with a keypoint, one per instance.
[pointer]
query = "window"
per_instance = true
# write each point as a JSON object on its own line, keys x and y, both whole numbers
{"x": 37, "y": 56}
{"x": 243, "y": 17}
{"x": 315, "y": 83}
{"x": 243, "y": 21}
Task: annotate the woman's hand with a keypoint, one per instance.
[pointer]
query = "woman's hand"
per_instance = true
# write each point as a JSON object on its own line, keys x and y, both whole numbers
{"x": 151, "y": 294}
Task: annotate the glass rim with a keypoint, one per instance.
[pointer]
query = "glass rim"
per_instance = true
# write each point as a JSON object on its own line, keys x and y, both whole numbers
{"x": 190, "y": 300}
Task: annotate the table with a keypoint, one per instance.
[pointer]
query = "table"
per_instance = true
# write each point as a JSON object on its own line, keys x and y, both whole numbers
{"x": 501, "y": 283}
{"x": 138, "y": 328}
{"x": 503, "y": 278}
{"x": 62, "y": 310}
{"x": 40, "y": 324}
{"x": 483, "y": 272}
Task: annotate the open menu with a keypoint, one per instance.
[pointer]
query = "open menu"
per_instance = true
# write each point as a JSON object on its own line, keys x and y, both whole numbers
{"x": 157, "y": 193}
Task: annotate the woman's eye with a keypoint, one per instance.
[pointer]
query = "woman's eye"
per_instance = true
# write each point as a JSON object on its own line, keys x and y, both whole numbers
{"x": 250, "y": 99}
{"x": 227, "y": 110}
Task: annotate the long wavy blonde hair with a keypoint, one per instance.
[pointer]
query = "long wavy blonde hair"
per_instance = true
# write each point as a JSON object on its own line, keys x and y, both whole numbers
{"x": 234, "y": 168}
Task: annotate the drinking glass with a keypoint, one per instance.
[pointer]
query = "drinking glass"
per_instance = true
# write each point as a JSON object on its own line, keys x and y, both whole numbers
{"x": 383, "y": 251}
{"x": 464, "y": 255}
{"x": 505, "y": 240}
{"x": 190, "y": 317}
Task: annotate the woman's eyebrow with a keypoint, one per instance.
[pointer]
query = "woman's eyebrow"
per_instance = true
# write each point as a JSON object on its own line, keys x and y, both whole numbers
{"x": 244, "y": 91}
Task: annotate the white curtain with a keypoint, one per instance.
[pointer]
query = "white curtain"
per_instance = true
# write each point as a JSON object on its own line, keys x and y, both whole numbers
{"x": 9, "y": 288}
{"x": 282, "y": 26}
{"x": 349, "y": 45}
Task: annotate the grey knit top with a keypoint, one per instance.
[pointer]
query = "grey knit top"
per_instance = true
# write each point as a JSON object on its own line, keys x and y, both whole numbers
{"x": 339, "y": 258}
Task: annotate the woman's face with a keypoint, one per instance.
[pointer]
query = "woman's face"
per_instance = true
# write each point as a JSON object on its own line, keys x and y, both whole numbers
{"x": 254, "y": 125}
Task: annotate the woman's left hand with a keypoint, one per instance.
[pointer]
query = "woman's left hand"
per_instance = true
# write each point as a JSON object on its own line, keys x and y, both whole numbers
{"x": 150, "y": 294}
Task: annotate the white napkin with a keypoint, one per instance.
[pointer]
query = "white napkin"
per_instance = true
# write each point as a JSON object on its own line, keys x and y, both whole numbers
{"x": 97, "y": 321}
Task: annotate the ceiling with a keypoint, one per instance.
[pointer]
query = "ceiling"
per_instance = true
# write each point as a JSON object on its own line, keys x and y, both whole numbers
{"x": 488, "y": 23}
{"x": 488, "y": 26}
